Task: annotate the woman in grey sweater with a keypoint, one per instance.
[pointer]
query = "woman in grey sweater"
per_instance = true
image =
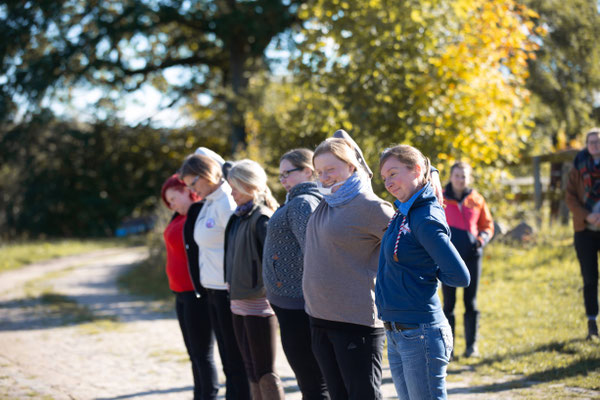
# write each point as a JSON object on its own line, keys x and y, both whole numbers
{"x": 343, "y": 237}
{"x": 283, "y": 264}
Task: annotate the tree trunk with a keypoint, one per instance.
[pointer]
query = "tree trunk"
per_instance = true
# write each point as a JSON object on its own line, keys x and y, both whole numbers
{"x": 238, "y": 84}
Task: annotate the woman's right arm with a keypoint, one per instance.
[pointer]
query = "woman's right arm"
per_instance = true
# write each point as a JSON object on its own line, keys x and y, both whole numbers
{"x": 574, "y": 203}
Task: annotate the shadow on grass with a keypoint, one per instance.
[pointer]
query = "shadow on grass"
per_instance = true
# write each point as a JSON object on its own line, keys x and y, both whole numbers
{"x": 51, "y": 310}
{"x": 47, "y": 310}
{"x": 560, "y": 347}
{"x": 576, "y": 368}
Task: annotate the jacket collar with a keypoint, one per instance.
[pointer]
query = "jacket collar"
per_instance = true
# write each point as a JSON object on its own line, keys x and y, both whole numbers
{"x": 449, "y": 193}
{"x": 423, "y": 197}
{"x": 303, "y": 188}
{"x": 223, "y": 190}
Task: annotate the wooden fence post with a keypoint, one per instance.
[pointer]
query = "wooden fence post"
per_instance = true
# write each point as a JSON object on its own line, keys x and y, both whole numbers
{"x": 537, "y": 185}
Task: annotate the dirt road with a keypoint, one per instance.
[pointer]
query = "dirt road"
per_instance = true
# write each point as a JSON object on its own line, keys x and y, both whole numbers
{"x": 66, "y": 332}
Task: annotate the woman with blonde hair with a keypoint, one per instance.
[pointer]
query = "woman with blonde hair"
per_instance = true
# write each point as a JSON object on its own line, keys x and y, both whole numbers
{"x": 343, "y": 236}
{"x": 204, "y": 237}
{"x": 254, "y": 321}
{"x": 416, "y": 252}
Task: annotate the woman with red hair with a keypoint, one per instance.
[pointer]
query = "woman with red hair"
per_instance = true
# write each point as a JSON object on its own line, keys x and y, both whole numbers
{"x": 190, "y": 302}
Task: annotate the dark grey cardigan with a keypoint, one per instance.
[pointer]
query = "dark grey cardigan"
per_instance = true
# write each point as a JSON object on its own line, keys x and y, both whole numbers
{"x": 283, "y": 261}
{"x": 244, "y": 241}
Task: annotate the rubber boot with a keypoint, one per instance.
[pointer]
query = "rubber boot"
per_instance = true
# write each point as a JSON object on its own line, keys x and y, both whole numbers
{"x": 451, "y": 321}
{"x": 471, "y": 324}
{"x": 271, "y": 387}
{"x": 592, "y": 329}
{"x": 255, "y": 391}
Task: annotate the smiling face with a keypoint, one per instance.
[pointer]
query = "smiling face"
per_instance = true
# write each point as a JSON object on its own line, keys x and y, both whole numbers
{"x": 460, "y": 179}
{"x": 179, "y": 200}
{"x": 399, "y": 179}
{"x": 290, "y": 175}
{"x": 593, "y": 145}
{"x": 332, "y": 170}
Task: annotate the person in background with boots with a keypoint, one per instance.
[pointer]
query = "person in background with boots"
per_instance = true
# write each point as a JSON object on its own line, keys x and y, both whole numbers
{"x": 472, "y": 227}
{"x": 583, "y": 199}
{"x": 254, "y": 321}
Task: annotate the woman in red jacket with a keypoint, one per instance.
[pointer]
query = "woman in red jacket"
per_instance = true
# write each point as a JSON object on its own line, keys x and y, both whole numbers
{"x": 192, "y": 310}
{"x": 472, "y": 227}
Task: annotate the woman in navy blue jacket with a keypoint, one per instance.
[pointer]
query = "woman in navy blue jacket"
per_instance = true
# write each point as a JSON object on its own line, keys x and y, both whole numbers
{"x": 416, "y": 252}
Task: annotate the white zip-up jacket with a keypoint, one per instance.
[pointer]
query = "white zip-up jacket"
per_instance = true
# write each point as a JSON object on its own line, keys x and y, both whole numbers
{"x": 209, "y": 234}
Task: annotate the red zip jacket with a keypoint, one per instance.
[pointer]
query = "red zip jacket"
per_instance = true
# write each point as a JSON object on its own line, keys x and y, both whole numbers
{"x": 177, "y": 268}
{"x": 470, "y": 214}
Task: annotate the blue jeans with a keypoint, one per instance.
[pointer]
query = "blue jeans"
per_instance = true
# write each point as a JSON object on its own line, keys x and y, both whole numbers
{"x": 418, "y": 360}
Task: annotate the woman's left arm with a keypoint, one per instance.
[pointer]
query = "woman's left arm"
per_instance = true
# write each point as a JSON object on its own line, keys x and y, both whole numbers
{"x": 261, "y": 232}
{"x": 433, "y": 236}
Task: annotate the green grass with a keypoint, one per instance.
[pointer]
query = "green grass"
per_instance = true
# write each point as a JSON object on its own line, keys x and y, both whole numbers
{"x": 17, "y": 254}
{"x": 533, "y": 323}
{"x": 100, "y": 326}
{"x": 147, "y": 278}
{"x": 68, "y": 309}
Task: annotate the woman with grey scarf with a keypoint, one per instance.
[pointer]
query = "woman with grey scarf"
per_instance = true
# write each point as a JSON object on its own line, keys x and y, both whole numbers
{"x": 343, "y": 237}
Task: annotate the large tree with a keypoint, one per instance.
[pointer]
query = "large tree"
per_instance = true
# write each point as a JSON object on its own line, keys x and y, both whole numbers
{"x": 565, "y": 75}
{"x": 120, "y": 46}
{"x": 445, "y": 75}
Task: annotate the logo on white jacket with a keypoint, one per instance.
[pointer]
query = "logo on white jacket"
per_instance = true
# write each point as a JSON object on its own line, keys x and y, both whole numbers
{"x": 210, "y": 223}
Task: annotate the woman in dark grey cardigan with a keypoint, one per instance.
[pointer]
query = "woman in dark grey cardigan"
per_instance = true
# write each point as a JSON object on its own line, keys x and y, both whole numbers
{"x": 283, "y": 264}
{"x": 254, "y": 321}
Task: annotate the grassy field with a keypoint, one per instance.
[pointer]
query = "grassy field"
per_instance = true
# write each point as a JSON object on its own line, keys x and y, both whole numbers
{"x": 533, "y": 324}
{"x": 16, "y": 254}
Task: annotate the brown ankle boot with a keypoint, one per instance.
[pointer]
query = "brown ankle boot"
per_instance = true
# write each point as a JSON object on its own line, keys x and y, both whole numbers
{"x": 255, "y": 391}
{"x": 271, "y": 387}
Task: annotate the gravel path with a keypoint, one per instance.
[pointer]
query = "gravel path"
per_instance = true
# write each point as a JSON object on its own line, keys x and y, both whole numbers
{"x": 132, "y": 349}
{"x": 66, "y": 332}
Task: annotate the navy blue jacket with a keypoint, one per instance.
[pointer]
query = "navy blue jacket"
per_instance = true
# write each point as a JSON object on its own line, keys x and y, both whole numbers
{"x": 406, "y": 290}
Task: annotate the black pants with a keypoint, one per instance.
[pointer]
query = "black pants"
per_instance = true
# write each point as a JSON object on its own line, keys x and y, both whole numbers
{"x": 233, "y": 366}
{"x": 256, "y": 340}
{"x": 469, "y": 293}
{"x": 587, "y": 246}
{"x": 192, "y": 313}
{"x": 350, "y": 361}
{"x": 294, "y": 327}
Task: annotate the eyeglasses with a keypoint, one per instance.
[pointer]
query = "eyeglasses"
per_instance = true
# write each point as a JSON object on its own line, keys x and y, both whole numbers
{"x": 285, "y": 174}
{"x": 191, "y": 185}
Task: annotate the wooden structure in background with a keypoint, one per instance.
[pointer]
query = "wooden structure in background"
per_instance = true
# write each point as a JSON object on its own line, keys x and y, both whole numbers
{"x": 560, "y": 165}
